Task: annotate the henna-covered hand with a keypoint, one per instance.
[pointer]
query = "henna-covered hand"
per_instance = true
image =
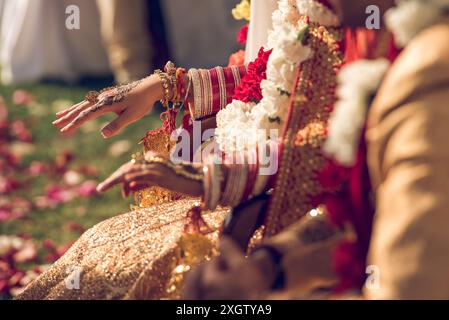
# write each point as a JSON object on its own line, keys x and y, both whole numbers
{"x": 135, "y": 176}
{"x": 130, "y": 102}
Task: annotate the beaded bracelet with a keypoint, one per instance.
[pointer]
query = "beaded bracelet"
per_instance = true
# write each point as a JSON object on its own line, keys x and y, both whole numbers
{"x": 170, "y": 69}
{"x": 166, "y": 84}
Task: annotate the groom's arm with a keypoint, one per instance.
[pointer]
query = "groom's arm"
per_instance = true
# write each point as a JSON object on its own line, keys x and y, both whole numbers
{"x": 409, "y": 164}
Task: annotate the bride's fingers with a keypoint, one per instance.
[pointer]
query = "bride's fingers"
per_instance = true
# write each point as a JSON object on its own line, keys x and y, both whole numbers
{"x": 66, "y": 111}
{"x": 137, "y": 186}
{"x": 84, "y": 116}
{"x": 128, "y": 188}
{"x": 142, "y": 176}
{"x": 125, "y": 190}
{"x": 116, "y": 125}
{"x": 117, "y": 177}
{"x": 68, "y": 117}
{"x": 112, "y": 180}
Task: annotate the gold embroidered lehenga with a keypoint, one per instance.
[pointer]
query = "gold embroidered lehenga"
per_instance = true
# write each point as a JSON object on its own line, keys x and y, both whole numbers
{"x": 143, "y": 254}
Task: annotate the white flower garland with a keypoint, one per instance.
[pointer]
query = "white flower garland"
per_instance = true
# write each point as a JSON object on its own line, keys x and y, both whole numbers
{"x": 357, "y": 82}
{"x": 239, "y": 124}
{"x": 410, "y": 17}
{"x": 361, "y": 80}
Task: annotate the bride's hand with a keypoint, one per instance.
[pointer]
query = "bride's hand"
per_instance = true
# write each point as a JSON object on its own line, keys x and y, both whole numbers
{"x": 137, "y": 176}
{"x": 131, "y": 107}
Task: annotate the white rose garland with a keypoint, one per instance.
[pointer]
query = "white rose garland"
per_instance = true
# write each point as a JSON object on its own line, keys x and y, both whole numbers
{"x": 357, "y": 82}
{"x": 239, "y": 124}
{"x": 410, "y": 17}
{"x": 360, "y": 80}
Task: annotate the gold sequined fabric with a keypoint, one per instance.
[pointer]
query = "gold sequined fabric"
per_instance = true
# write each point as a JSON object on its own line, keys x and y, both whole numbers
{"x": 130, "y": 256}
{"x": 156, "y": 141}
{"x": 306, "y": 131}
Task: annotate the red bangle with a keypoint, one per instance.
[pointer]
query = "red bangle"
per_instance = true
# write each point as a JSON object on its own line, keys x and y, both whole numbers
{"x": 181, "y": 85}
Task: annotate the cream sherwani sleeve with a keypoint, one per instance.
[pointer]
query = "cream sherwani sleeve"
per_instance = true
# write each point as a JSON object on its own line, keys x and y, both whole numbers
{"x": 259, "y": 26}
{"x": 408, "y": 157}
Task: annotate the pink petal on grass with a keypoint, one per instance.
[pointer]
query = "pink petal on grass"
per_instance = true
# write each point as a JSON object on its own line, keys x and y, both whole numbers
{"x": 37, "y": 168}
{"x": 8, "y": 185}
{"x": 22, "y": 97}
{"x": 72, "y": 178}
{"x": 87, "y": 189}
{"x": 19, "y": 130}
{"x": 5, "y": 215}
{"x": 57, "y": 194}
{"x": 26, "y": 254}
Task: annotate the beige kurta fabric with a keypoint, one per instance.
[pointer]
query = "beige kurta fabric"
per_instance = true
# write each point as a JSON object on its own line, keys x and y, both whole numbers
{"x": 408, "y": 160}
{"x": 125, "y": 35}
{"x": 259, "y": 26}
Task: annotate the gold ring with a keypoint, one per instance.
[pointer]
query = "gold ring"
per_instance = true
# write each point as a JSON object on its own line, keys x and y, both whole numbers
{"x": 92, "y": 96}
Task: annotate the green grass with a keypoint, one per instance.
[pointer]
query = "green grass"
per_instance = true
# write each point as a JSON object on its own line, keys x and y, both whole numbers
{"x": 88, "y": 147}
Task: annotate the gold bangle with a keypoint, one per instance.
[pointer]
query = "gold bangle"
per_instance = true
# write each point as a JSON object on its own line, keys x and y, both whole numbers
{"x": 166, "y": 84}
{"x": 170, "y": 69}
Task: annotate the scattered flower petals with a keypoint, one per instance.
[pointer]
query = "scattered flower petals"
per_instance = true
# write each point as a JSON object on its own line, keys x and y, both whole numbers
{"x": 27, "y": 253}
{"x": 72, "y": 178}
{"x": 237, "y": 59}
{"x": 8, "y": 243}
{"x": 21, "y": 257}
{"x": 8, "y": 185}
{"x": 58, "y": 195}
{"x": 20, "y": 131}
{"x": 88, "y": 189}
{"x": 22, "y": 97}
{"x": 37, "y": 168}
{"x": 21, "y": 149}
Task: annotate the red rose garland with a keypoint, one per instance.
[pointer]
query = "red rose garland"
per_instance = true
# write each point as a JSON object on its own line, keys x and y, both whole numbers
{"x": 242, "y": 35}
{"x": 249, "y": 89}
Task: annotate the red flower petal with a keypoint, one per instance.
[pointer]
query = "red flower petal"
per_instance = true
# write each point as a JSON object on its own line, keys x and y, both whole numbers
{"x": 249, "y": 89}
{"x": 242, "y": 35}
{"x": 237, "y": 59}
{"x": 22, "y": 97}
